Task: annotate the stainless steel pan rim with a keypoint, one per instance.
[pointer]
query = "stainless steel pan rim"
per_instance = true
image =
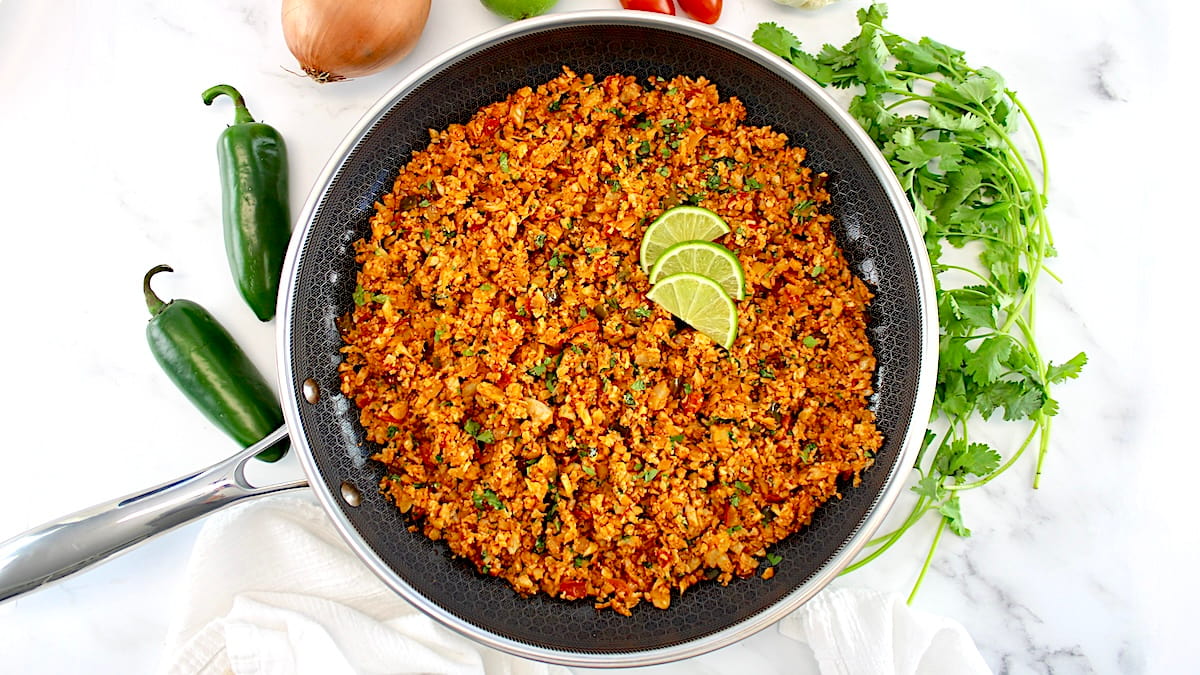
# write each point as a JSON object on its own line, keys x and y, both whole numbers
{"x": 293, "y": 399}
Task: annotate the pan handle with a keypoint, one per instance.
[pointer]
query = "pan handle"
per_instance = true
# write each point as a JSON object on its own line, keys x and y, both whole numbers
{"x": 72, "y": 543}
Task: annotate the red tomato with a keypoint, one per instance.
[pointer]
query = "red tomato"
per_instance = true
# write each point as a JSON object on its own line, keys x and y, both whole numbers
{"x": 660, "y": 6}
{"x": 570, "y": 589}
{"x": 705, "y": 11}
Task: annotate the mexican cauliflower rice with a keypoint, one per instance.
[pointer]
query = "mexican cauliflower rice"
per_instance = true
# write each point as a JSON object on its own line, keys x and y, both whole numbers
{"x": 539, "y": 415}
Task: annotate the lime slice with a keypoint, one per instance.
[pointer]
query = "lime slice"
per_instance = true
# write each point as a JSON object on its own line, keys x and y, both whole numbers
{"x": 706, "y": 259}
{"x": 682, "y": 223}
{"x": 701, "y": 302}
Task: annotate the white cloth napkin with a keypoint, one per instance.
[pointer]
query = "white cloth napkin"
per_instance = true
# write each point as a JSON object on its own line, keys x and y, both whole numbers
{"x": 854, "y": 631}
{"x": 271, "y": 589}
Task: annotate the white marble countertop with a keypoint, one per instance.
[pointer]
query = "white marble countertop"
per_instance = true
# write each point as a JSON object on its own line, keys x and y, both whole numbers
{"x": 107, "y": 168}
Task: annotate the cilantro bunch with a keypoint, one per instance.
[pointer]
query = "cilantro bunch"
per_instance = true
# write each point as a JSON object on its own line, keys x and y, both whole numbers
{"x": 947, "y": 130}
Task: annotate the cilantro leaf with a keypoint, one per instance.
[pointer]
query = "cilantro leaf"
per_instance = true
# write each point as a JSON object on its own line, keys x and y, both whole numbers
{"x": 360, "y": 295}
{"x": 776, "y": 39}
{"x": 782, "y": 42}
{"x": 929, "y": 487}
{"x": 952, "y": 512}
{"x": 976, "y": 459}
{"x": 490, "y": 497}
{"x": 986, "y": 364}
{"x": 1068, "y": 370}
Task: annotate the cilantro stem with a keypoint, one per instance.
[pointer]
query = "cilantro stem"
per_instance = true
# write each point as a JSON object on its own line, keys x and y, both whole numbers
{"x": 942, "y": 267}
{"x": 1011, "y": 460}
{"x": 1049, "y": 271}
{"x": 1012, "y": 95}
{"x": 885, "y": 541}
{"x": 1043, "y": 446}
{"x": 928, "y": 558}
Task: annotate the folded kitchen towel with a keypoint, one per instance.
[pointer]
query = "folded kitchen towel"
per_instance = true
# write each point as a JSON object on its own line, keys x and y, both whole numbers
{"x": 272, "y": 589}
{"x": 854, "y": 631}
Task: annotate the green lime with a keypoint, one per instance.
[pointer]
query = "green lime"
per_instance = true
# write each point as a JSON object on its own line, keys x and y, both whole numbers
{"x": 706, "y": 259}
{"x": 682, "y": 223}
{"x": 518, "y": 9}
{"x": 701, "y": 302}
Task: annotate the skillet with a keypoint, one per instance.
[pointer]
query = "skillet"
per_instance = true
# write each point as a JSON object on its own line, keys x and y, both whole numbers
{"x": 874, "y": 226}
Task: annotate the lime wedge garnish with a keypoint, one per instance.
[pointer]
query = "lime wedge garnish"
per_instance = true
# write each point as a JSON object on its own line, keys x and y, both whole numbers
{"x": 701, "y": 302}
{"x": 706, "y": 259}
{"x": 682, "y": 223}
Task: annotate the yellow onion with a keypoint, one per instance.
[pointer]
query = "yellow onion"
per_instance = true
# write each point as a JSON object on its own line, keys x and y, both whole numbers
{"x": 336, "y": 40}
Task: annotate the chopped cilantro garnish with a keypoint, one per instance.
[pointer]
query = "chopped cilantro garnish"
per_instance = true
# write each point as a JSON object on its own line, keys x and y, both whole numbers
{"x": 649, "y": 474}
{"x": 490, "y": 497}
{"x": 475, "y": 430}
{"x": 504, "y": 162}
{"x": 664, "y": 171}
{"x": 638, "y": 385}
{"x": 742, "y": 486}
{"x": 773, "y": 559}
{"x": 643, "y": 312}
{"x": 628, "y": 399}
{"x": 802, "y": 209}
{"x": 810, "y": 341}
{"x": 360, "y": 295}
{"x": 540, "y": 240}
{"x": 752, "y": 184}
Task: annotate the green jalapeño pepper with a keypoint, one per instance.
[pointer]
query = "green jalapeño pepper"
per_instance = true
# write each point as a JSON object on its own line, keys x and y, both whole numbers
{"x": 202, "y": 359}
{"x": 254, "y": 203}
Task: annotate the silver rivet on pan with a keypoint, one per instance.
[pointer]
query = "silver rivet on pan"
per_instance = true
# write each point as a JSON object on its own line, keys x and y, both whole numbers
{"x": 350, "y": 494}
{"x": 312, "y": 392}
